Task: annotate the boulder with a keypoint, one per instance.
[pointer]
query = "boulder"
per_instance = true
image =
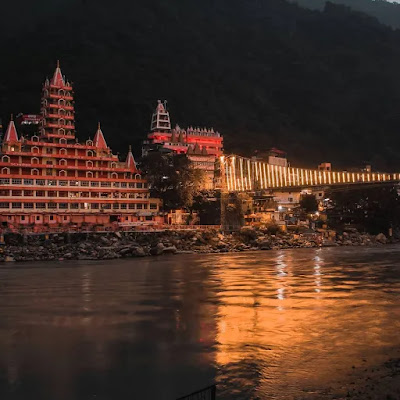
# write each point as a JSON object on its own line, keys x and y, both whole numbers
{"x": 381, "y": 238}
{"x": 170, "y": 250}
{"x": 157, "y": 250}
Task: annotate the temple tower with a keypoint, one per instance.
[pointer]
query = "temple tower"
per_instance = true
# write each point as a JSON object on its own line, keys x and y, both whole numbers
{"x": 57, "y": 108}
{"x": 160, "y": 121}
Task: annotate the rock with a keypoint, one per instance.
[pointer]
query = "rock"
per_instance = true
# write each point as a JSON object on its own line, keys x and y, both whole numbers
{"x": 118, "y": 235}
{"x": 105, "y": 241}
{"x": 170, "y": 250}
{"x": 9, "y": 259}
{"x": 381, "y": 238}
{"x": 157, "y": 250}
{"x": 139, "y": 251}
{"x": 68, "y": 256}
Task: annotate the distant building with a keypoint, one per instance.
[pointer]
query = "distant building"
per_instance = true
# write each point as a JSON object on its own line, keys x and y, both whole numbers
{"x": 201, "y": 145}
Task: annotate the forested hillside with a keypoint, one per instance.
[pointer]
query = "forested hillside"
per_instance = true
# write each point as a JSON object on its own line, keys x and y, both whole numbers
{"x": 322, "y": 85}
{"x": 387, "y": 12}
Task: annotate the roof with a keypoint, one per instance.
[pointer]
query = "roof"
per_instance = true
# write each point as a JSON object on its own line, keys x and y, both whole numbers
{"x": 11, "y": 133}
{"x": 99, "y": 140}
{"x": 57, "y": 79}
{"x": 130, "y": 161}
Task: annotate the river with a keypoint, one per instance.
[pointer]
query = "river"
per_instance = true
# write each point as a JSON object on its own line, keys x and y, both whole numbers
{"x": 290, "y": 324}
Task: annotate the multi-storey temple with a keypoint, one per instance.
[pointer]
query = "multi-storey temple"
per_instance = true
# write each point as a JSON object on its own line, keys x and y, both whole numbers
{"x": 202, "y": 146}
{"x": 50, "y": 178}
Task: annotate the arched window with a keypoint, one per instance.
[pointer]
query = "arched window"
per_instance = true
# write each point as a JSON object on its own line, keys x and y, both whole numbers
{"x": 35, "y": 171}
{"x": 62, "y": 173}
{"x": 113, "y": 165}
{"x": 89, "y": 174}
{"x": 63, "y": 151}
{"x": 89, "y": 164}
{"x": 137, "y": 176}
{"x": 61, "y": 111}
{"x": 61, "y": 102}
{"x": 5, "y": 170}
{"x": 61, "y": 92}
{"x": 90, "y": 153}
{"x": 61, "y": 131}
{"x": 35, "y": 138}
{"x": 89, "y": 142}
{"x": 61, "y": 121}
{"x": 63, "y": 162}
{"x": 5, "y": 159}
{"x": 114, "y": 175}
{"x": 35, "y": 150}
{"x": 63, "y": 141}
{"x": 35, "y": 160}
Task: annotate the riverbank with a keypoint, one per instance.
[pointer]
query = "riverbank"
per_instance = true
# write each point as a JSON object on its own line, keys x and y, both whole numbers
{"x": 102, "y": 246}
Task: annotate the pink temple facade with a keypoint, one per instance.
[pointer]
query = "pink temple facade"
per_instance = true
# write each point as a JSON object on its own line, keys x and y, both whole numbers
{"x": 201, "y": 145}
{"x": 51, "y": 179}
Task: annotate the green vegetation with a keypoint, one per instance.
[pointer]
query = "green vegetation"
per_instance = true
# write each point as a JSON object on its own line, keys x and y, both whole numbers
{"x": 374, "y": 210}
{"x": 322, "y": 85}
{"x": 172, "y": 178}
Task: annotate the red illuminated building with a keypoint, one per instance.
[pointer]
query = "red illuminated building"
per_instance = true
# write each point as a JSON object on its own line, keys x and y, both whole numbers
{"x": 201, "y": 145}
{"x": 51, "y": 178}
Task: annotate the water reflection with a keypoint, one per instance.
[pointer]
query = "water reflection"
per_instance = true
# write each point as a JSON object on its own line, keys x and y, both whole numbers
{"x": 279, "y": 324}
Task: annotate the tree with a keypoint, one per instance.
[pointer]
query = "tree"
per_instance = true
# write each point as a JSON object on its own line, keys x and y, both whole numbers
{"x": 172, "y": 178}
{"x": 373, "y": 209}
{"x": 309, "y": 203}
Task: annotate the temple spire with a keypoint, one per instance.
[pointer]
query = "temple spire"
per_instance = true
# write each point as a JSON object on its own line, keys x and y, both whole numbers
{"x": 99, "y": 140}
{"x": 57, "y": 79}
{"x": 11, "y": 133}
{"x": 130, "y": 161}
{"x": 160, "y": 120}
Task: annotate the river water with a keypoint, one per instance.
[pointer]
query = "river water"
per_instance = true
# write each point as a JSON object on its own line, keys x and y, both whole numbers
{"x": 284, "y": 324}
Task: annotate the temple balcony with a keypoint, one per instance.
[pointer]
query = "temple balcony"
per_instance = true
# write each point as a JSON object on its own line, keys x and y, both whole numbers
{"x": 58, "y": 96}
{"x": 58, "y": 116}
{"x": 59, "y": 126}
{"x": 58, "y": 106}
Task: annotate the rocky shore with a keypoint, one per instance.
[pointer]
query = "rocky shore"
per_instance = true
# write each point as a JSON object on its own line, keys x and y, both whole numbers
{"x": 100, "y": 246}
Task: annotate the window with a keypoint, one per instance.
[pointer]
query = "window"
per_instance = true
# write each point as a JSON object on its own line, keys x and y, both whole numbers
{"x": 89, "y": 164}
{"x": 16, "y": 193}
{"x": 74, "y": 206}
{"x": 40, "y": 182}
{"x": 16, "y": 205}
{"x": 49, "y": 150}
{"x": 63, "y": 183}
{"x": 106, "y": 206}
{"x": 85, "y": 183}
{"x": 52, "y": 183}
{"x": 51, "y": 217}
{"x": 22, "y": 217}
{"x": 35, "y": 150}
{"x": 131, "y": 206}
{"x": 139, "y": 185}
{"x": 139, "y": 206}
{"x": 131, "y": 185}
{"x": 5, "y": 171}
{"x": 35, "y": 138}
{"x": 52, "y": 205}
{"x": 63, "y": 206}
{"x": 89, "y": 174}
{"x": 94, "y": 184}
{"x": 116, "y": 184}
{"x": 63, "y": 152}
{"x": 16, "y": 181}
{"x": 62, "y": 173}
{"x": 28, "y": 193}
{"x": 40, "y": 205}
{"x": 123, "y": 184}
{"x": 5, "y": 159}
{"x": 63, "y": 141}
{"x": 90, "y": 153}
{"x": 39, "y": 193}
{"x": 65, "y": 218}
{"x": 153, "y": 206}
{"x": 35, "y": 160}
{"x": 124, "y": 206}
{"x": 115, "y": 206}
{"x": 95, "y": 206}
{"x": 4, "y": 181}
{"x": 28, "y": 181}
{"x": 4, "y": 205}
{"x": 37, "y": 218}
{"x": 290, "y": 199}
{"x": 105, "y": 184}
{"x": 62, "y": 194}
{"x": 28, "y": 205}
{"x": 35, "y": 171}
{"x": 74, "y": 183}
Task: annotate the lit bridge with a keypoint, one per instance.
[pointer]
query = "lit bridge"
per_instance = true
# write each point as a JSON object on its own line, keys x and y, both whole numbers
{"x": 243, "y": 174}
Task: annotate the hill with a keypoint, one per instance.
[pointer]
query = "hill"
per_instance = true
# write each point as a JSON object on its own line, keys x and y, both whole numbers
{"x": 386, "y": 12}
{"x": 323, "y": 85}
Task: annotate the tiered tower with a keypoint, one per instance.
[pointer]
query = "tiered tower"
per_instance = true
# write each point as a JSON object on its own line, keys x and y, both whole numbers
{"x": 57, "y": 108}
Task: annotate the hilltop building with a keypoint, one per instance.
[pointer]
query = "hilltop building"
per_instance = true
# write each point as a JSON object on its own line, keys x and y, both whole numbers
{"x": 50, "y": 178}
{"x": 201, "y": 145}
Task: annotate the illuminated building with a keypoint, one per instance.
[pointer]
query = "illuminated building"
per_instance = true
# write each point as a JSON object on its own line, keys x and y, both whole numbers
{"x": 202, "y": 146}
{"x": 51, "y": 178}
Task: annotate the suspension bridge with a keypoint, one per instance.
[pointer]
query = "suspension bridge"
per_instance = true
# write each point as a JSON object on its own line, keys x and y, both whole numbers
{"x": 239, "y": 174}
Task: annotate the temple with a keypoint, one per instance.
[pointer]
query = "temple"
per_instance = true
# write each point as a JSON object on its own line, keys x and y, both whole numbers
{"x": 201, "y": 145}
{"x": 50, "y": 178}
